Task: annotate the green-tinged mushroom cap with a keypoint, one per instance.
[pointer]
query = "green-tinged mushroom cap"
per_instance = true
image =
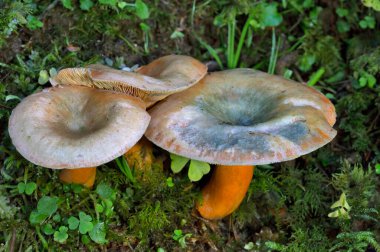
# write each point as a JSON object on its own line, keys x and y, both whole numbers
{"x": 243, "y": 117}
{"x": 75, "y": 127}
{"x": 151, "y": 83}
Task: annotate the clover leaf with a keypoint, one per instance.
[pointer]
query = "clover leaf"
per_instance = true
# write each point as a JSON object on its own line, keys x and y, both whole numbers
{"x": 73, "y": 222}
{"x": 197, "y": 169}
{"x": 98, "y": 233}
{"x": 61, "y": 235}
{"x": 85, "y": 224}
{"x": 178, "y": 162}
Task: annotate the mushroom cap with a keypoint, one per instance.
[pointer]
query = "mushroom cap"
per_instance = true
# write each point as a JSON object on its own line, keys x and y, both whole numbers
{"x": 74, "y": 127}
{"x": 243, "y": 117}
{"x": 151, "y": 83}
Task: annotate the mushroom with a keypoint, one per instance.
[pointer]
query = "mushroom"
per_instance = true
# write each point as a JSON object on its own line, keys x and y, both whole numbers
{"x": 237, "y": 119}
{"x": 73, "y": 127}
{"x": 151, "y": 83}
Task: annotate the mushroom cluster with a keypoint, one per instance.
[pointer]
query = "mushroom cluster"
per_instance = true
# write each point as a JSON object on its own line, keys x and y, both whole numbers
{"x": 234, "y": 119}
{"x": 94, "y": 114}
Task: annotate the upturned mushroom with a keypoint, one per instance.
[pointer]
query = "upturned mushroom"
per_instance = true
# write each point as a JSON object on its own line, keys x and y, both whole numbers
{"x": 72, "y": 127}
{"x": 151, "y": 83}
{"x": 237, "y": 119}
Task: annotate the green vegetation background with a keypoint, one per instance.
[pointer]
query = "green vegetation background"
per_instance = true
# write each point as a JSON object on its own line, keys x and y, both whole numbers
{"x": 326, "y": 201}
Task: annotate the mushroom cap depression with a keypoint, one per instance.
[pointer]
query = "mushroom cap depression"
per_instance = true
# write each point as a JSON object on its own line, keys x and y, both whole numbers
{"x": 76, "y": 127}
{"x": 151, "y": 83}
{"x": 243, "y": 117}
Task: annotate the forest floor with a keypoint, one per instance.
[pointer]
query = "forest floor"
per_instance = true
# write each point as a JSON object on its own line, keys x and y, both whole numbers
{"x": 333, "y": 46}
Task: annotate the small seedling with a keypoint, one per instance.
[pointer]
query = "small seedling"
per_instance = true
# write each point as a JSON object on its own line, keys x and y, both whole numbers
{"x": 368, "y": 22}
{"x": 180, "y": 237}
{"x": 28, "y": 188}
{"x": 169, "y": 182}
{"x": 342, "y": 208}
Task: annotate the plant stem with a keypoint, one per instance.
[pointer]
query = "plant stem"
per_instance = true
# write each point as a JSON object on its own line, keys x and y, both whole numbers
{"x": 274, "y": 52}
{"x": 241, "y": 41}
{"x": 231, "y": 42}
{"x": 42, "y": 239}
{"x": 210, "y": 50}
{"x": 316, "y": 77}
{"x": 270, "y": 67}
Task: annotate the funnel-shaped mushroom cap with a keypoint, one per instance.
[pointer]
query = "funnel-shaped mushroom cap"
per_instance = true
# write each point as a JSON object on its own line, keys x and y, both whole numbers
{"x": 243, "y": 117}
{"x": 151, "y": 83}
{"x": 75, "y": 127}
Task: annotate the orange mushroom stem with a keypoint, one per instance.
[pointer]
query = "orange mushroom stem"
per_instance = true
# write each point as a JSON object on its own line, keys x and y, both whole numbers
{"x": 225, "y": 191}
{"x": 82, "y": 176}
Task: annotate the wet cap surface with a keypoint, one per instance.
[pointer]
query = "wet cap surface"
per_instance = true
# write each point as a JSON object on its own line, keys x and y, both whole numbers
{"x": 75, "y": 127}
{"x": 243, "y": 117}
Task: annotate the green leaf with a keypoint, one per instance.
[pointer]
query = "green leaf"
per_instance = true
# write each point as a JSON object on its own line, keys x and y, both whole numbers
{"x": 73, "y": 222}
{"x": 371, "y": 80}
{"x": 144, "y": 27}
{"x": 86, "y": 4}
{"x": 122, "y": 5}
{"x": 67, "y": 4}
{"x": 377, "y": 169}
{"x": 98, "y": 233}
{"x": 21, "y": 187}
{"x": 108, "y": 2}
{"x": 36, "y": 217}
{"x": 85, "y": 240}
{"x": 53, "y": 72}
{"x": 47, "y": 205}
{"x": 76, "y": 188}
{"x": 363, "y": 24}
{"x": 342, "y": 12}
{"x": 362, "y": 81}
{"x": 371, "y": 22}
{"x": 12, "y": 97}
{"x": 268, "y": 15}
{"x": 306, "y": 62}
{"x": 57, "y": 217}
{"x": 33, "y": 22}
{"x": 177, "y": 34}
{"x": 375, "y": 4}
{"x": 177, "y": 234}
{"x": 315, "y": 77}
{"x": 142, "y": 10}
{"x": 30, "y": 187}
{"x": 61, "y": 235}
{"x": 343, "y": 26}
{"x": 99, "y": 208}
{"x": 43, "y": 77}
{"x": 197, "y": 169}
{"x": 249, "y": 246}
{"x": 178, "y": 162}
{"x": 85, "y": 224}
{"x": 169, "y": 182}
{"x": 48, "y": 229}
{"x": 105, "y": 191}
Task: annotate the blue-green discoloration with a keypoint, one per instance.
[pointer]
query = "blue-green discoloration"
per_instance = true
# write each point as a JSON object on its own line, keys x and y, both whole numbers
{"x": 235, "y": 106}
{"x": 219, "y": 137}
{"x": 294, "y": 132}
{"x": 224, "y": 120}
